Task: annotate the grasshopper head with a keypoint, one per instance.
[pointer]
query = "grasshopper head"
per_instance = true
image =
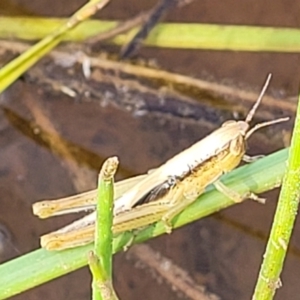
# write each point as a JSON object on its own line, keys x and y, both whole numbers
{"x": 243, "y": 127}
{"x": 240, "y": 127}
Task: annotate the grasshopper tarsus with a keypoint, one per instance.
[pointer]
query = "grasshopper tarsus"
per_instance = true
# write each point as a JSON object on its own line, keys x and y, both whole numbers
{"x": 256, "y": 198}
{"x": 129, "y": 242}
{"x": 167, "y": 224}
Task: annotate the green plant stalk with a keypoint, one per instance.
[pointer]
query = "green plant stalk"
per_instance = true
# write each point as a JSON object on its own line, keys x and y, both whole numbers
{"x": 22, "y": 63}
{"x": 103, "y": 233}
{"x": 284, "y": 219}
{"x": 170, "y": 35}
{"x": 40, "y": 266}
{"x": 102, "y": 280}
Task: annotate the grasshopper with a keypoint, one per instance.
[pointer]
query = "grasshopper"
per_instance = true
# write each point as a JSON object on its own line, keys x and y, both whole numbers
{"x": 166, "y": 191}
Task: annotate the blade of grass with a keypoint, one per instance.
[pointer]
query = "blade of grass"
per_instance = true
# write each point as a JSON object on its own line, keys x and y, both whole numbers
{"x": 40, "y": 266}
{"x": 31, "y": 29}
{"x": 170, "y": 35}
{"x": 100, "y": 260}
{"x": 18, "y": 66}
{"x": 269, "y": 276}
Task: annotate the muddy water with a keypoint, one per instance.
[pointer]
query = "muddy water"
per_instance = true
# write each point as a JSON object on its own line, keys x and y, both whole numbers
{"x": 221, "y": 252}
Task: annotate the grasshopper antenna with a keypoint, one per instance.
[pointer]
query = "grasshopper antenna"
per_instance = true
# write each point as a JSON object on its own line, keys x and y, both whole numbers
{"x": 264, "y": 124}
{"x": 255, "y": 106}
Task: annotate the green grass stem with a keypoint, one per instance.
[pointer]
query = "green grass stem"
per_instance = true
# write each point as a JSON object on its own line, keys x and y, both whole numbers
{"x": 169, "y": 35}
{"x": 101, "y": 261}
{"x": 284, "y": 219}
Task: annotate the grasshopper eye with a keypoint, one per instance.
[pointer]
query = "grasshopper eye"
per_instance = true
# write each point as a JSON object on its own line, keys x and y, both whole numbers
{"x": 228, "y": 123}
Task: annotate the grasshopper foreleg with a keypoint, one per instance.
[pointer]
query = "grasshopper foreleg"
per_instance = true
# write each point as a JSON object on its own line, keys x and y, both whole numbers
{"x": 250, "y": 159}
{"x": 235, "y": 196}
